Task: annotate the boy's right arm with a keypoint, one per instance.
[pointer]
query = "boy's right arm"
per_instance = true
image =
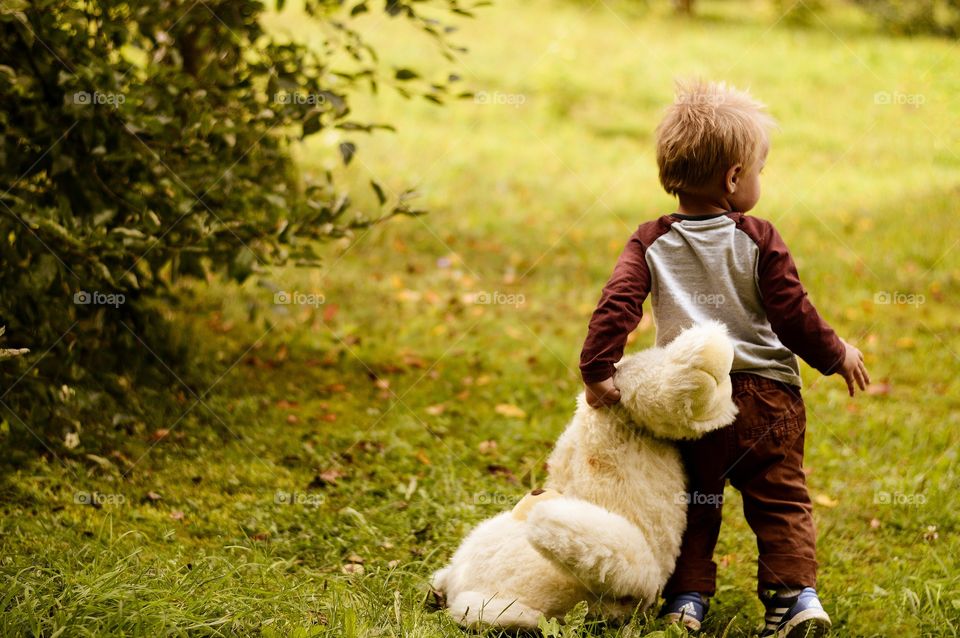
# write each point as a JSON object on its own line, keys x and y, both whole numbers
{"x": 616, "y": 316}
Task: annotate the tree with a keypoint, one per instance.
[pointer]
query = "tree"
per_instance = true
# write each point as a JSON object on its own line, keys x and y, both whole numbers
{"x": 148, "y": 141}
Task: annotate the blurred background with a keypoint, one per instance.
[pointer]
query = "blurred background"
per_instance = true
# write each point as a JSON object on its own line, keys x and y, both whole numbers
{"x": 293, "y": 295}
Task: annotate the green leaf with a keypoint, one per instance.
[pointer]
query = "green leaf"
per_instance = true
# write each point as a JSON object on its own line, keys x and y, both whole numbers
{"x": 347, "y": 151}
{"x": 381, "y": 197}
{"x": 312, "y": 123}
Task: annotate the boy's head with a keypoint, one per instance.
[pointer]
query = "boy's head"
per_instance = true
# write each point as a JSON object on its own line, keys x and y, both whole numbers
{"x": 712, "y": 143}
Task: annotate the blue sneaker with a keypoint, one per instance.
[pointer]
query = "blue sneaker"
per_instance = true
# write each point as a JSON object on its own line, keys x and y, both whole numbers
{"x": 799, "y": 616}
{"x": 688, "y": 608}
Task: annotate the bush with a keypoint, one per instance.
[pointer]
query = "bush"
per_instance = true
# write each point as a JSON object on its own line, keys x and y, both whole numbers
{"x": 148, "y": 141}
{"x": 913, "y": 17}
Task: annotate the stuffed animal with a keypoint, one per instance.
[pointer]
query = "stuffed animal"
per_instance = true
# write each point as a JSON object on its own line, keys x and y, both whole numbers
{"x": 607, "y": 528}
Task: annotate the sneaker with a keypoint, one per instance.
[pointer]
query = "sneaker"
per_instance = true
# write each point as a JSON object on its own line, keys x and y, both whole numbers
{"x": 798, "y": 616}
{"x": 688, "y": 608}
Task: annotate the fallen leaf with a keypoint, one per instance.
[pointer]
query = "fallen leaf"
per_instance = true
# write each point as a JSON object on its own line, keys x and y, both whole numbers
{"x": 488, "y": 447}
{"x": 71, "y": 440}
{"x": 414, "y": 361}
{"x": 422, "y": 457}
{"x": 177, "y": 515}
{"x": 326, "y": 478}
{"x": 261, "y": 536}
{"x": 293, "y": 419}
{"x": 153, "y": 496}
{"x": 99, "y": 460}
{"x": 879, "y": 389}
{"x": 353, "y": 568}
{"x": 874, "y": 523}
{"x": 436, "y": 410}
{"x": 501, "y": 470}
{"x": 160, "y": 434}
{"x": 509, "y": 410}
{"x": 354, "y": 558}
{"x": 826, "y": 501}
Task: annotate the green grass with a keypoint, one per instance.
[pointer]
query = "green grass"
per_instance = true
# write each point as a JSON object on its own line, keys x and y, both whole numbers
{"x": 535, "y": 201}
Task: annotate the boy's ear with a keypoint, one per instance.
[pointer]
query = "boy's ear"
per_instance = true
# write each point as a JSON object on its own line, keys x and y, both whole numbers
{"x": 732, "y": 178}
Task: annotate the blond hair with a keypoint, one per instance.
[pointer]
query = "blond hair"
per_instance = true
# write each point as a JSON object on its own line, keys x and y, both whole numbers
{"x": 709, "y": 127}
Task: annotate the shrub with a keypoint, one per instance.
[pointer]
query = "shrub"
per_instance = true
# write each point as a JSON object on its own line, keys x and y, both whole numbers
{"x": 912, "y": 17}
{"x": 148, "y": 141}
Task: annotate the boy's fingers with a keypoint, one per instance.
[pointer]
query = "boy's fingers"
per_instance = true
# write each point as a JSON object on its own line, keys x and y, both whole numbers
{"x": 864, "y": 379}
{"x": 849, "y": 379}
{"x": 866, "y": 375}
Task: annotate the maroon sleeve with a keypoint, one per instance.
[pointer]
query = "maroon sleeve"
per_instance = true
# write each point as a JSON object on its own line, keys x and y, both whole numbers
{"x": 790, "y": 312}
{"x": 620, "y": 307}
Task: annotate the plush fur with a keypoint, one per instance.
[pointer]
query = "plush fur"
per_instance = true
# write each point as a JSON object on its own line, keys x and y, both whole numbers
{"x": 607, "y": 527}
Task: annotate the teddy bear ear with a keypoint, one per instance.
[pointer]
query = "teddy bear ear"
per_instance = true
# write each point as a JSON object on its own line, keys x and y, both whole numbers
{"x": 704, "y": 344}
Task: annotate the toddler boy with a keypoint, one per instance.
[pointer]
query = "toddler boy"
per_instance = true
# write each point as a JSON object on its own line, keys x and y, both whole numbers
{"x": 710, "y": 260}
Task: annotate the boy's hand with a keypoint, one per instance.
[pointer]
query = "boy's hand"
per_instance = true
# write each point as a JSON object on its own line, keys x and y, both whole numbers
{"x": 853, "y": 370}
{"x": 602, "y": 394}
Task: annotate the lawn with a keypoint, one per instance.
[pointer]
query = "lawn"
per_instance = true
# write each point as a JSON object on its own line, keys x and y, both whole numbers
{"x": 326, "y": 456}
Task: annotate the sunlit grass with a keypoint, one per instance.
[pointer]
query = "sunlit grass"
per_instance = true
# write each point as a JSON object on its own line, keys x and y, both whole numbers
{"x": 359, "y": 429}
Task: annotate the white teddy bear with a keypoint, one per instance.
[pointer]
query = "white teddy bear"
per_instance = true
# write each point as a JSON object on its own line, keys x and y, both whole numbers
{"x": 607, "y": 528}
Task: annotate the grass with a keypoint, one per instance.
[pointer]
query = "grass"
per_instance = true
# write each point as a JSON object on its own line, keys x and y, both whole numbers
{"x": 336, "y": 454}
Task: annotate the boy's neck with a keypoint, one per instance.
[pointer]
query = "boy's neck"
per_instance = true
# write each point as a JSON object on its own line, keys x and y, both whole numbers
{"x": 694, "y": 205}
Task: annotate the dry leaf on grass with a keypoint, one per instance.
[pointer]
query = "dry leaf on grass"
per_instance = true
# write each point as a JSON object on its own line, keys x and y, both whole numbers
{"x": 826, "y": 501}
{"x": 510, "y": 410}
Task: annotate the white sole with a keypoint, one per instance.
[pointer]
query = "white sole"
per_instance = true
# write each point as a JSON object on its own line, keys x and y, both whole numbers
{"x": 811, "y": 623}
{"x": 689, "y": 622}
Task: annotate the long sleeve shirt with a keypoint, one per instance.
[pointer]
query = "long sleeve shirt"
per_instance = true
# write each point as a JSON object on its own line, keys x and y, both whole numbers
{"x": 729, "y": 267}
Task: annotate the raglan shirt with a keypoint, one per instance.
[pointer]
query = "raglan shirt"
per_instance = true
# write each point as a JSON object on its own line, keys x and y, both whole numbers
{"x": 730, "y": 267}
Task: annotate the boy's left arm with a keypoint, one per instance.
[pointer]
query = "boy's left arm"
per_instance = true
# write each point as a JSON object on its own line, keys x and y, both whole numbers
{"x": 793, "y": 316}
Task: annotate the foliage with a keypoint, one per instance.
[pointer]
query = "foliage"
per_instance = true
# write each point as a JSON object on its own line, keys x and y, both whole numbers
{"x": 148, "y": 141}
{"x": 799, "y": 12}
{"x": 911, "y": 17}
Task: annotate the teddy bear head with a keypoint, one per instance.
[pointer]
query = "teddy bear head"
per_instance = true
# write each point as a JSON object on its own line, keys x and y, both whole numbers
{"x": 681, "y": 390}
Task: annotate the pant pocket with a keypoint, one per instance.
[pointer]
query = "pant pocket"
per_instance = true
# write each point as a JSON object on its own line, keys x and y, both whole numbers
{"x": 773, "y": 410}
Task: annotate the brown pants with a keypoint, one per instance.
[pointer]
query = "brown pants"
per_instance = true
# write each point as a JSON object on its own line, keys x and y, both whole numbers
{"x": 761, "y": 454}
